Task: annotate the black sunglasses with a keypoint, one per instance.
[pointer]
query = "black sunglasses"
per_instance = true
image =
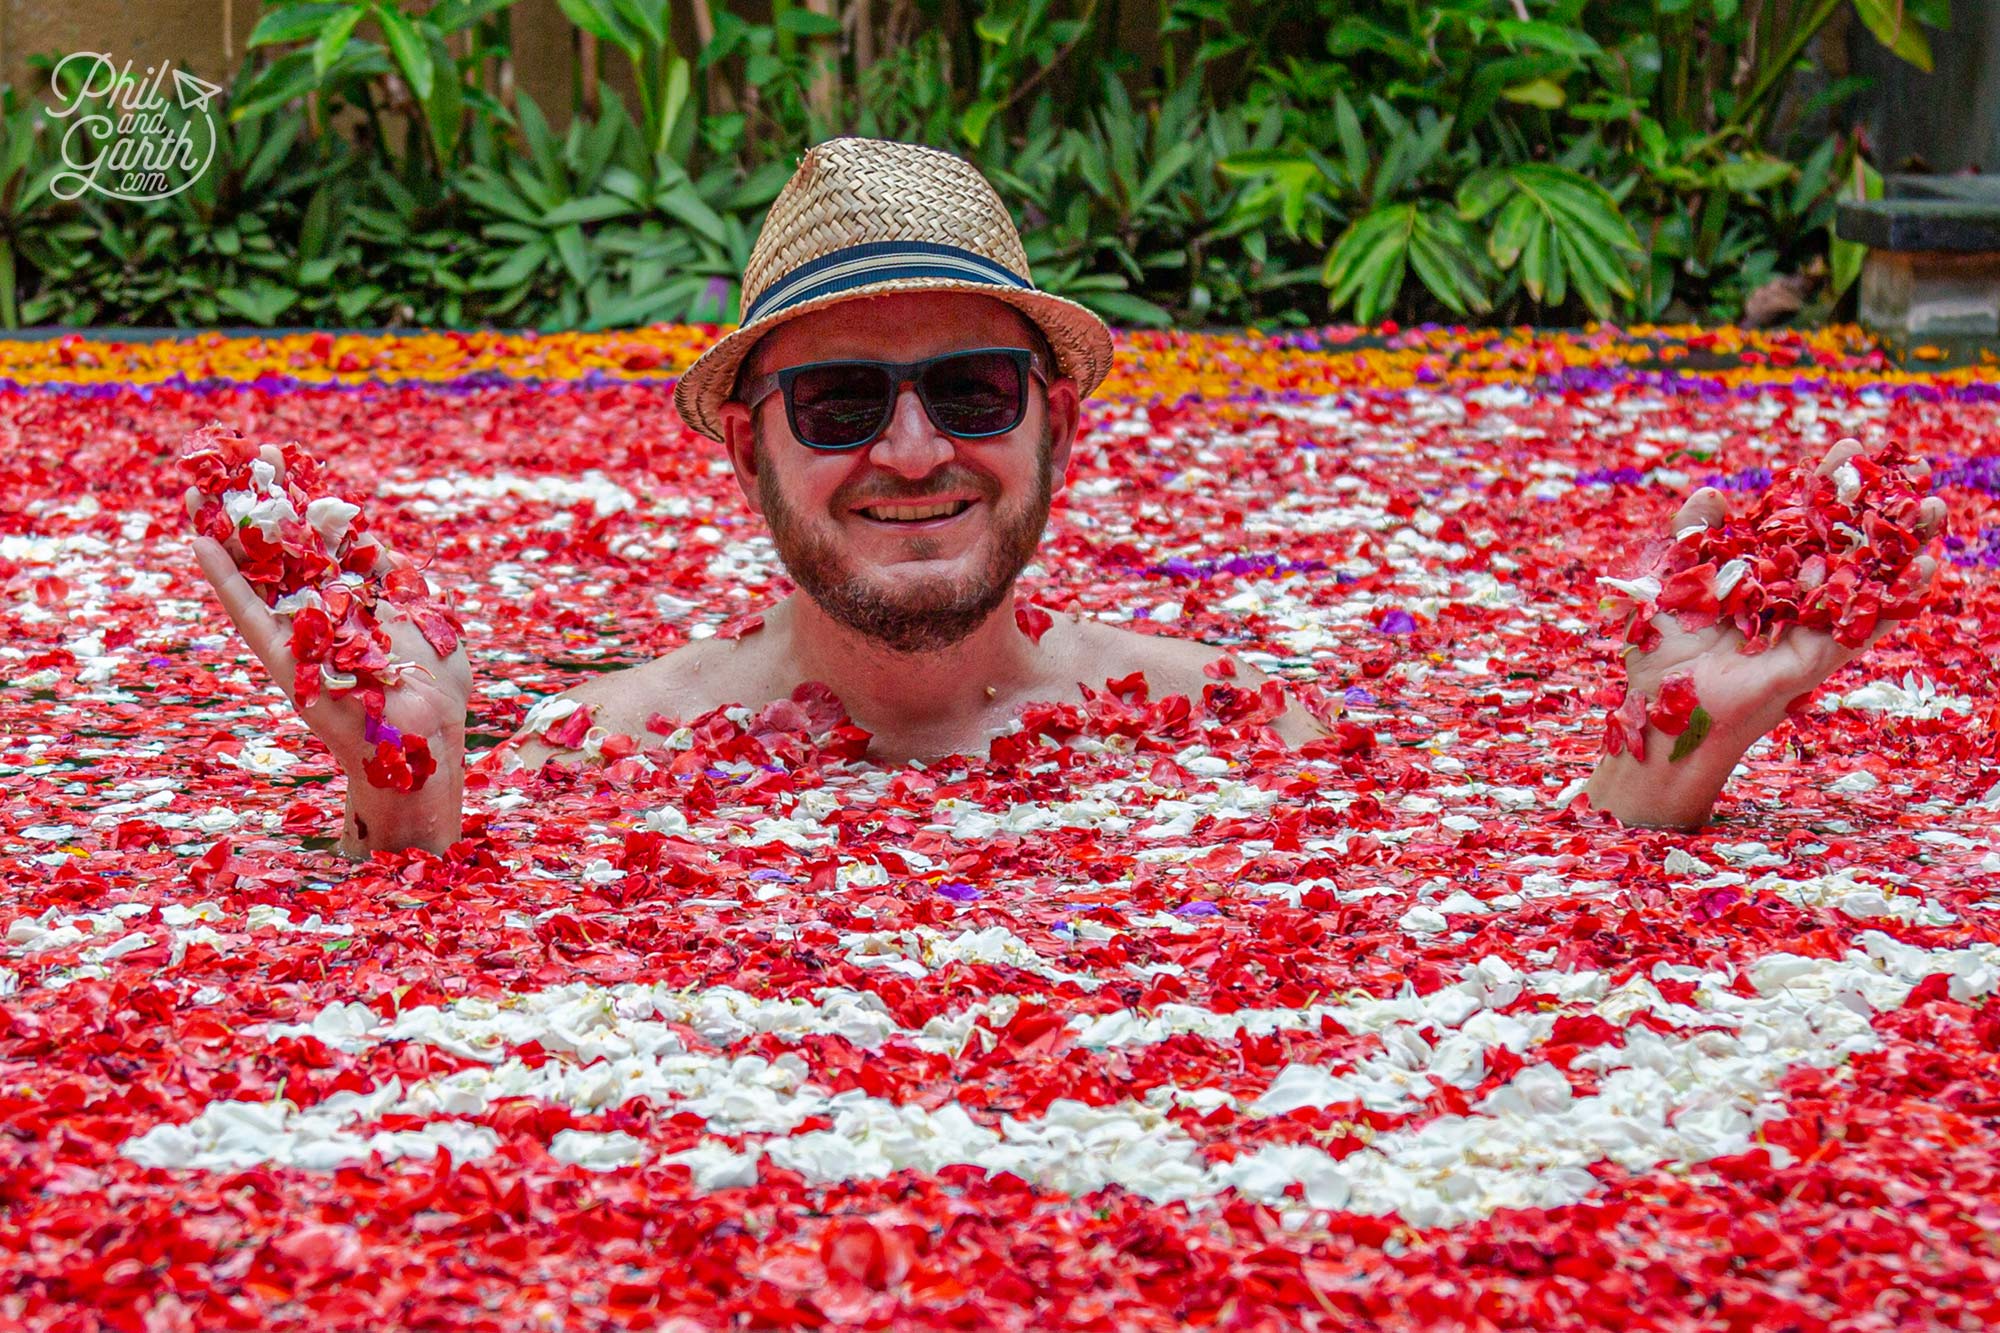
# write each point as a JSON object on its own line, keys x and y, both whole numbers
{"x": 834, "y": 405}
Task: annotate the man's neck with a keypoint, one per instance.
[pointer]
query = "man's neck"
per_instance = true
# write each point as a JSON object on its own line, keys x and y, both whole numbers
{"x": 904, "y": 692}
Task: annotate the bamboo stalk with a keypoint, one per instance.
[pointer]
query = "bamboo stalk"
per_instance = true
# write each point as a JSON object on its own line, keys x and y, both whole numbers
{"x": 721, "y": 100}
{"x": 824, "y": 94}
{"x": 587, "y": 59}
{"x": 863, "y": 29}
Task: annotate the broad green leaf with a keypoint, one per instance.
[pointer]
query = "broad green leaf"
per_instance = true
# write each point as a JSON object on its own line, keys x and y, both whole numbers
{"x": 1169, "y": 165}
{"x": 684, "y": 203}
{"x": 972, "y": 126}
{"x": 600, "y": 23}
{"x": 491, "y": 192}
{"x": 1353, "y": 142}
{"x": 1546, "y": 93}
{"x": 1896, "y": 28}
{"x": 333, "y": 40}
{"x": 517, "y": 267}
{"x": 295, "y": 23}
{"x": 805, "y": 23}
{"x": 1557, "y": 37}
{"x": 1749, "y": 175}
{"x": 276, "y": 84}
{"x": 1367, "y": 263}
{"x": 1125, "y": 308}
{"x": 1844, "y": 258}
{"x": 574, "y": 251}
{"x": 1481, "y": 193}
{"x": 646, "y": 17}
{"x": 412, "y": 54}
{"x": 594, "y": 208}
{"x": 994, "y": 28}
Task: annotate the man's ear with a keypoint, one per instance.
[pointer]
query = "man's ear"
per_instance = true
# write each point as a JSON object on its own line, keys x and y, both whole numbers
{"x": 739, "y": 437}
{"x": 1065, "y": 415}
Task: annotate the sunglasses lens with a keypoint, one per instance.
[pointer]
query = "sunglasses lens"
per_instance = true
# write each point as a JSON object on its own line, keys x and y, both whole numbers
{"x": 976, "y": 394}
{"x": 839, "y": 406}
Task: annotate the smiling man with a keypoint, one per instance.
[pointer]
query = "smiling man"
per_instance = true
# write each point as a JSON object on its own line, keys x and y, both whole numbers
{"x": 905, "y": 547}
{"x": 899, "y": 405}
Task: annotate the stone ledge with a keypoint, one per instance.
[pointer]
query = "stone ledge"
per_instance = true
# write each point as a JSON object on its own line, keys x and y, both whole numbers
{"x": 1950, "y": 226}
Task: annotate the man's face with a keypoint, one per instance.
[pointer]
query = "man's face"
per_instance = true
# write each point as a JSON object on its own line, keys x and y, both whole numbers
{"x": 913, "y": 587}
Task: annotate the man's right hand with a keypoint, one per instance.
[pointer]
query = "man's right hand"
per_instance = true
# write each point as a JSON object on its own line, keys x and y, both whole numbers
{"x": 429, "y": 701}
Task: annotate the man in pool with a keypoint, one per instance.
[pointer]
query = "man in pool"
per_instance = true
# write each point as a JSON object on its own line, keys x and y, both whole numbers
{"x": 900, "y": 404}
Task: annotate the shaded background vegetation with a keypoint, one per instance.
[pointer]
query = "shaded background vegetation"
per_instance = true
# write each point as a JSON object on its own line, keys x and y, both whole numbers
{"x": 1278, "y": 163}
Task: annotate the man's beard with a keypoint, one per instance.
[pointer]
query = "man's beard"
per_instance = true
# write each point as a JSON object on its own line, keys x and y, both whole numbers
{"x": 930, "y": 613}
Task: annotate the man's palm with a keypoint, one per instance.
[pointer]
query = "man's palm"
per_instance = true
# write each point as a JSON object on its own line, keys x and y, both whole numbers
{"x": 1749, "y": 693}
{"x": 429, "y": 700}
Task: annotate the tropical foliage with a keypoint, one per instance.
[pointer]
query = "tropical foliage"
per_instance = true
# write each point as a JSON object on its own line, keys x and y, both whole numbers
{"x": 1472, "y": 160}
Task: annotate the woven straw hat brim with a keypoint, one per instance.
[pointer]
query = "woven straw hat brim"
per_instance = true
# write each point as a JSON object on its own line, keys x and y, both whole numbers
{"x": 1080, "y": 340}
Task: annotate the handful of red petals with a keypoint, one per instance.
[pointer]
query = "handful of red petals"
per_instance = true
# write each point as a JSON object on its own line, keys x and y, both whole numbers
{"x": 309, "y": 556}
{"x": 1834, "y": 553}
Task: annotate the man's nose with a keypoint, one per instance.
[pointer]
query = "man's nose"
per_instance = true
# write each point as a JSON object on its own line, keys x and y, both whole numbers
{"x": 910, "y": 443}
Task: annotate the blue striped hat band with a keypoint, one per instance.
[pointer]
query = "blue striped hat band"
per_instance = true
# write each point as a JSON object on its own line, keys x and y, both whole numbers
{"x": 879, "y": 261}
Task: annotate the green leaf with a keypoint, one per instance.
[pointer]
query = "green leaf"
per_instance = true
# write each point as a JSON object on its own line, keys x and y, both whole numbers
{"x": 603, "y": 25}
{"x": 1367, "y": 264}
{"x": 1751, "y": 175}
{"x": 1353, "y": 143}
{"x": 1546, "y": 93}
{"x": 994, "y": 28}
{"x": 1685, "y": 744}
{"x": 805, "y": 23}
{"x": 1844, "y": 258}
{"x": 1125, "y": 308}
{"x": 1556, "y": 37}
{"x": 684, "y": 203}
{"x": 1896, "y": 28}
{"x": 413, "y": 56}
{"x": 520, "y": 265}
{"x": 295, "y": 23}
{"x": 261, "y": 303}
{"x": 333, "y": 40}
{"x": 591, "y": 208}
{"x": 972, "y": 125}
{"x": 276, "y": 84}
{"x": 489, "y": 191}
{"x": 575, "y": 254}
{"x": 1481, "y": 193}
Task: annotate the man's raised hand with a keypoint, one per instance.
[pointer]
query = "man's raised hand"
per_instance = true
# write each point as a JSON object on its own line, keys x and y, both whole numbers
{"x": 1829, "y": 560}
{"x": 380, "y": 697}
{"x": 1740, "y": 690}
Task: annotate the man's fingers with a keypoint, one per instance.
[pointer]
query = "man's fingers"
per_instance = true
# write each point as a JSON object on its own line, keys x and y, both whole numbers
{"x": 1842, "y": 451}
{"x": 385, "y": 559}
{"x": 246, "y": 610}
{"x": 1707, "y": 507}
{"x": 1930, "y": 519}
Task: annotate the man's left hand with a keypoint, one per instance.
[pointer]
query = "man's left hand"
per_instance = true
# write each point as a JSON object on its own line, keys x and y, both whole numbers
{"x": 1744, "y": 695}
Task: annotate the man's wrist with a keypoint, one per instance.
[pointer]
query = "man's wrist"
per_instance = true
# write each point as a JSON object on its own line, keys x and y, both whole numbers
{"x": 1660, "y": 792}
{"x": 377, "y": 819}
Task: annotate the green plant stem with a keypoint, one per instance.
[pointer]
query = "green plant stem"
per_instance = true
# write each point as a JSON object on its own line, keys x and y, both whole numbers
{"x": 1770, "y": 79}
{"x": 1028, "y": 85}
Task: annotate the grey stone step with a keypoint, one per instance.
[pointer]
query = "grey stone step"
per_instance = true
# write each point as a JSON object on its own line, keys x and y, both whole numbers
{"x": 1952, "y": 226}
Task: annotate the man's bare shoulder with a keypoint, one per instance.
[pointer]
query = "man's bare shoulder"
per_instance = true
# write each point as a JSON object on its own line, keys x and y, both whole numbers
{"x": 1175, "y": 665}
{"x": 680, "y": 686}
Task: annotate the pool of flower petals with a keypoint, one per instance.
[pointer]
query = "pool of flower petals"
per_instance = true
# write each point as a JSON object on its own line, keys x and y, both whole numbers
{"x": 1140, "y": 1021}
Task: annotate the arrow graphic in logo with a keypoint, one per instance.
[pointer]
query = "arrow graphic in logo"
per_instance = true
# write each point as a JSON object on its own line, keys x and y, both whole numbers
{"x": 193, "y": 92}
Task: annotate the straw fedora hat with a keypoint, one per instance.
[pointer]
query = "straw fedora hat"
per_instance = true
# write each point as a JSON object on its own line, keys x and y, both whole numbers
{"x": 862, "y": 217}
